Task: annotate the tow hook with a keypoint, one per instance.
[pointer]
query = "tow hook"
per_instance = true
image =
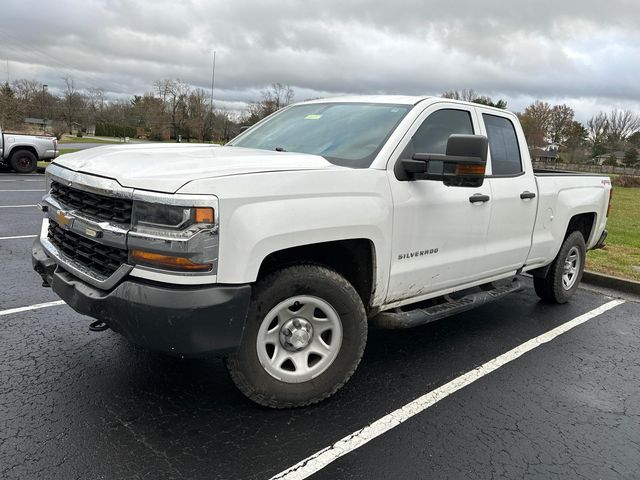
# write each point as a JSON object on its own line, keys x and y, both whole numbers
{"x": 98, "y": 326}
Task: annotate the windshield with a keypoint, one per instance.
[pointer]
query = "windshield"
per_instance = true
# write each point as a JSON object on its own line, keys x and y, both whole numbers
{"x": 349, "y": 134}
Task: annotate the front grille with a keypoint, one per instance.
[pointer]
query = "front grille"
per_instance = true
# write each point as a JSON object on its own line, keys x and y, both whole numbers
{"x": 98, "y": 258}
{"x": 99, "y": 206}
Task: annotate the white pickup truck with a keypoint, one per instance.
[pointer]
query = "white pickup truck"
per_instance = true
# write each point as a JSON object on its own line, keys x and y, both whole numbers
{"x": 22, "y": 152}
{"x": 278, "y": 250}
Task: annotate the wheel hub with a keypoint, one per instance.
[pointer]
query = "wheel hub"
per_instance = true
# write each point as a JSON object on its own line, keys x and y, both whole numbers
{"x": 296, "y": 334}
{"x": 299, "y": 339}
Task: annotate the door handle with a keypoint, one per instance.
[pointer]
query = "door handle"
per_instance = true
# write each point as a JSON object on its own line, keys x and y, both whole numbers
{"x": 527, "y": 194}
{"x": 479, "y": 198}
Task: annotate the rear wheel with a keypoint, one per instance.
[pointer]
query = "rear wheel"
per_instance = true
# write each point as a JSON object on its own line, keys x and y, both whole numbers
{"x": 23, "y": 161}
{"x": 305, "y": 335}
{"x": 565, "y": 273}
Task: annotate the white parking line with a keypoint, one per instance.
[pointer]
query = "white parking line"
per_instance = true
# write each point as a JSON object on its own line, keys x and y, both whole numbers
{"x": 18, "y": 236}
{"x": 21, "y": 180}
{"x": 20, "y": 175}
{"x": 31, "y": 307}
{"x": 324, "y": 457}
{"x": 17, "y": 206}
{"x": 40, "y": 190}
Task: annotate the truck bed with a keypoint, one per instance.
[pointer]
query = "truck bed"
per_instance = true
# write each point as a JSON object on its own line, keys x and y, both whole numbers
{"x": 542, "y": 172}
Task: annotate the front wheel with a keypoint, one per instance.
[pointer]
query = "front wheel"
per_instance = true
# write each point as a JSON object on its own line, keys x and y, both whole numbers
{"x": 23, "y": 161}
{"x": 305, "y": 334}
{"x": 565, "y": 273}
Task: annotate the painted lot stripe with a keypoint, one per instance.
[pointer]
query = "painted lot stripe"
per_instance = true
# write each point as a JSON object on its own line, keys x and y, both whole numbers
{"x": 40, "y": 190}
{"x": 31, "y": 307}
{"x": 17, "y": 206}
{"x": 42, "y": 180}
{"x": 324, "y": 457}
{"x": 18, "y": 236}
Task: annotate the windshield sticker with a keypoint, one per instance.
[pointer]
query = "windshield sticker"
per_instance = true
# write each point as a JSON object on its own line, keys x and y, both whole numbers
{"x": 313, "y": 116}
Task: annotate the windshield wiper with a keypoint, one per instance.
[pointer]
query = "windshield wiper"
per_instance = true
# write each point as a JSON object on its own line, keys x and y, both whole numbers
{"x": 279, "y": 149}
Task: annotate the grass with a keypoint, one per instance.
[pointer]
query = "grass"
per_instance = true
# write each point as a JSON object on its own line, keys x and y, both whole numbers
{"x": 74, "y": 139}
{"x": 622, "y": 252}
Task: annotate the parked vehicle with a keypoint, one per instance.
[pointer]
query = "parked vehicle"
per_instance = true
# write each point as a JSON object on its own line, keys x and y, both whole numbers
{"x": 278, "y": 250}
{"x": 22, "y": 152}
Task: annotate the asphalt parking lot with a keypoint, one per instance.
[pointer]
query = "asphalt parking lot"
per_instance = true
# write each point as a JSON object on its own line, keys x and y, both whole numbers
{"x": 78, "y": 404}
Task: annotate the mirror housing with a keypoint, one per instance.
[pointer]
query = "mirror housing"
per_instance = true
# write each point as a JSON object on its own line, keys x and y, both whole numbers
{"x": 463, "y": 165}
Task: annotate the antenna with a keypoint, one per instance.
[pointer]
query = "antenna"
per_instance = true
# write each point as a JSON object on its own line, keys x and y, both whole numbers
{"x": 213, "y": 79}
{"x": 8, "y": 76}
{"x": 213, "y": 83}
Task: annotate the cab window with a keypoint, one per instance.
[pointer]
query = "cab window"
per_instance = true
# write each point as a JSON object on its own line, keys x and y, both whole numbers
{"x": 433, "y": 134}
{"x": 503, "y": 146}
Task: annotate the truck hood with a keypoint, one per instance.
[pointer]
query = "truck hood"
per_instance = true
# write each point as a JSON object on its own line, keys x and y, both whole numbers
{"x": 166, "y": 168}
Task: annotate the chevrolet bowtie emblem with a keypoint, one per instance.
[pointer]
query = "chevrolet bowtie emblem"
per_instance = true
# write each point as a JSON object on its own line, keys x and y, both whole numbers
{"x": 64, "y": 219}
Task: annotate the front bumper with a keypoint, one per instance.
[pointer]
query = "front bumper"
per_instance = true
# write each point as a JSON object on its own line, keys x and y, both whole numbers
{"x": 178, "y": 320}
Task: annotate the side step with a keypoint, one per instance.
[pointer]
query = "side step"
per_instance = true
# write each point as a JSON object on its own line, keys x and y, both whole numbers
{"x": 395, "y": 319}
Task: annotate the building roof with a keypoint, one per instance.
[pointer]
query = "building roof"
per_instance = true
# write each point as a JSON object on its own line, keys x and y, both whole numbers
{"x": 618, "y": 154}
{"x": 37, "y": 121}
{"x": 539, "y": 152}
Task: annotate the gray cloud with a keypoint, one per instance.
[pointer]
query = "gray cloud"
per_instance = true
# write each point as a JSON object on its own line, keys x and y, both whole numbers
{"x": 584, "y": 53}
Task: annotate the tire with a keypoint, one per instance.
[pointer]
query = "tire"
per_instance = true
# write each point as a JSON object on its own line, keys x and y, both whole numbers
{"x": 561, "y": 281}
{"x": 23, "y": 161}
{"x": 331, "y": 320}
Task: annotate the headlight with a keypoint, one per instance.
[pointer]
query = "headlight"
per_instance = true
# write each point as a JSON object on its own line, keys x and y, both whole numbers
{"x": 171, "y": 217}
{"x": 173, "y": 237}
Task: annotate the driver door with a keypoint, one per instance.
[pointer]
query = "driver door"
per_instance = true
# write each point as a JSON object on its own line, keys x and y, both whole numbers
{"x": 439, "y": 235}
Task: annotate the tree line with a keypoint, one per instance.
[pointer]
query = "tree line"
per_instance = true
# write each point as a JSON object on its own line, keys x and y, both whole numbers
{"x": 170, "y": 109}
{"x": 603, "y": 134}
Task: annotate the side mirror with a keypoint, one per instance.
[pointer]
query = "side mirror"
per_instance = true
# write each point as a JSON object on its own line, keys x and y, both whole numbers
{"x": 463, "y": 165}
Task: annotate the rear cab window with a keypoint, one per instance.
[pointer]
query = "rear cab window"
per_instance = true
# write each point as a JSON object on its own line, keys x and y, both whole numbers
{"x": 506, "y": 159}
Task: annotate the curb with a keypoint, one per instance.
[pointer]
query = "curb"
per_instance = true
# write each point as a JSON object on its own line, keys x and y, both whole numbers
{"x": 614, "y": 283}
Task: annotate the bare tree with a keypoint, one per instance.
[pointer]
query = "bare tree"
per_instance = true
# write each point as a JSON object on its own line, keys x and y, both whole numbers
{"x": 177, "y": 102}
{"x": 274, "y": 98}
{"x": 622, "y": 124}
{"x": 10, "y": 111}
{"x": 29, "y": 95}
{"x": 598, "y": 130}
{"x": 466, "y": 95}
{"x": 73, "y": 103}
{"x": 471, "y": 95}
{"x": 198, "y": 119}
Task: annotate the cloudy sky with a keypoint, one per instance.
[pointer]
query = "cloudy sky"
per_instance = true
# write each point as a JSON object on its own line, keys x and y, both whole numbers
{"x": 581, "y": 52}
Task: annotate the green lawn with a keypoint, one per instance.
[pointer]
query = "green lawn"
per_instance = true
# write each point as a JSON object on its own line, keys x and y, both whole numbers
{"x": 622, "y": 252}
{"x": 74, "y": 139}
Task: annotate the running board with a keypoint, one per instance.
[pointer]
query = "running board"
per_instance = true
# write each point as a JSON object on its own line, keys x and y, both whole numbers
{"x": 395, "y": 319}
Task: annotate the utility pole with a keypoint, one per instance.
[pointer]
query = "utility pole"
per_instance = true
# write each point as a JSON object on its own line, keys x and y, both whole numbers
{"x": 44, "y": 120}
{"x": 213, "y": 83}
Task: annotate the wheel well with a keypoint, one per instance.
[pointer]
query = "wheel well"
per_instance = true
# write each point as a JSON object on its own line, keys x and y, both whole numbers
{"x": 353, "y": 259}
{"x": 582, "y": 223}
{"x": 28, "y": 148}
